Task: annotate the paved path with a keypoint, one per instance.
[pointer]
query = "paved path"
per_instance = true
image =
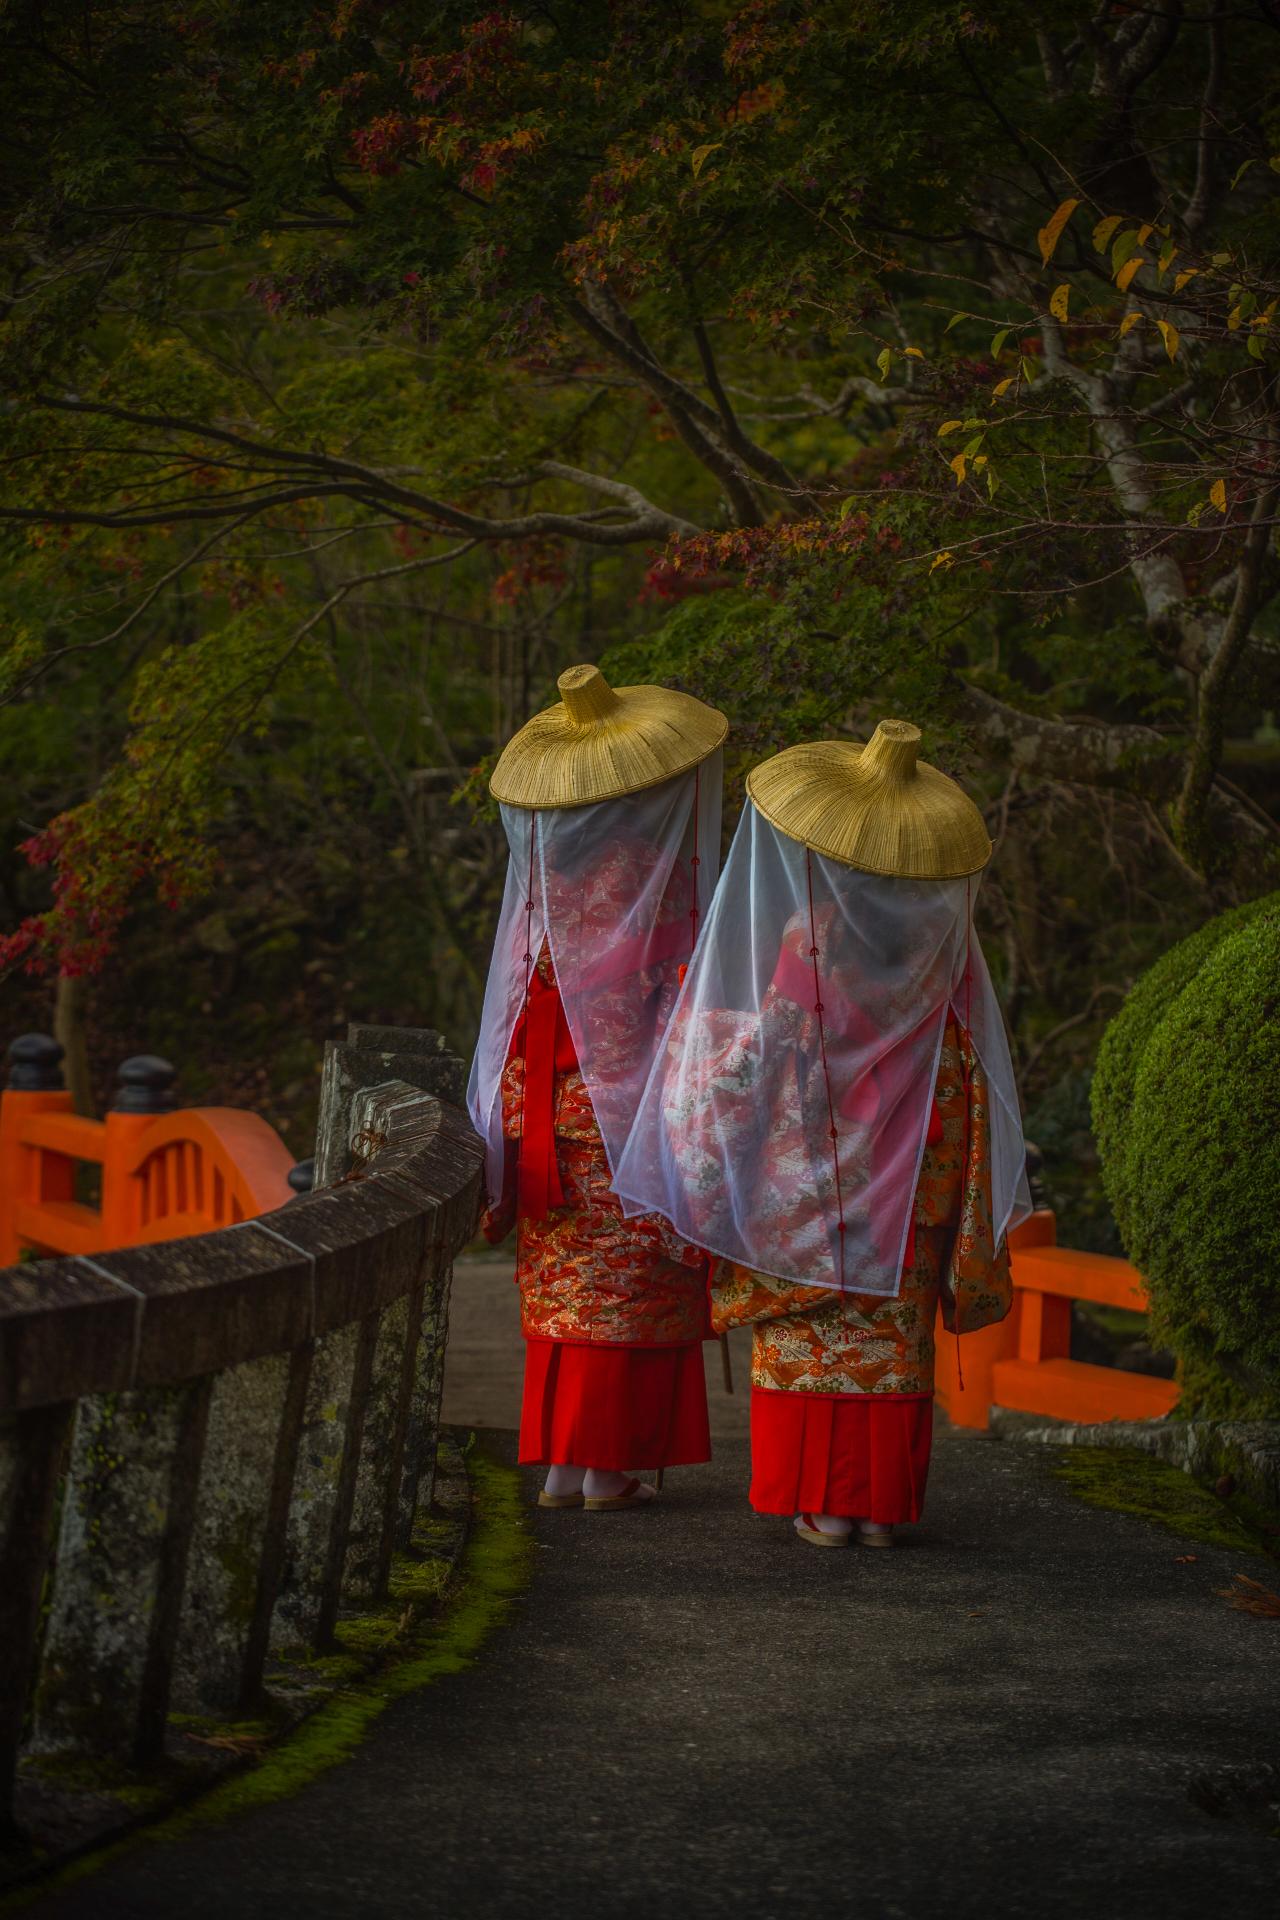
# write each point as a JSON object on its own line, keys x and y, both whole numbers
{"x": 689, "y": 1713}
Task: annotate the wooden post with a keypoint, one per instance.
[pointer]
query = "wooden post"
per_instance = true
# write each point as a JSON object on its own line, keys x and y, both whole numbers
{"x": 35, "y": 1086}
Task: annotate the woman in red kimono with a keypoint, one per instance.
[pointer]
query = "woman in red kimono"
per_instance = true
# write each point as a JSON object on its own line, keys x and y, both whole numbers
{"x": 835, "y": 1116}
{"x": 611, "y": 804}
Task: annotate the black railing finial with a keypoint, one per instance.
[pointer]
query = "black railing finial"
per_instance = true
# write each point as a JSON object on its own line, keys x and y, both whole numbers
{"x": 35, "y": 1063}
{"x": 146, "y": 1083}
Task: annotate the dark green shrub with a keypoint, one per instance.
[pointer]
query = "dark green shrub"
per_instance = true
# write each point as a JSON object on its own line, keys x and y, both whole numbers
{"x": 1125, "y": 1040}
{"x": 1188, "y": 1124}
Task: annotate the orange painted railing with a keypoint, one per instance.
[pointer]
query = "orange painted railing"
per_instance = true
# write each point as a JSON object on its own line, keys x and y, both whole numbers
{"x": 1025, "y": 1363}
{"x": 164, "y": 1174}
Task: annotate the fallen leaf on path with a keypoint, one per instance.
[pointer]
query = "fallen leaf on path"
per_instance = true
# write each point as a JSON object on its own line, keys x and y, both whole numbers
{"x": 1184, "y": 1559}
{"x": 1250, "y": 1596}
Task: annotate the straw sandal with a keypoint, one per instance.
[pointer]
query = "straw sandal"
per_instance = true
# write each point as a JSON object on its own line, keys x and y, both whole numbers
{"x": 546, "y": 1499}
{"x": 871, "y": 1535}
{"x": 807, "y": 1530}
{"x": 634, "y": 1494}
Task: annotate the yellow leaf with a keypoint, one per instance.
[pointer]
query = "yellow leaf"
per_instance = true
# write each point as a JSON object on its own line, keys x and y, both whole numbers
{"x": 992, "y": 483}
{"x": 944, "y": 559}
{"x": 1169, "y": 334}
{"x": 1143, "y": 233}
{"x": 913, "y": 353}
{"x": 959, "y": 466}
{"x": 883, "y": 360}
{"x": 1127, "y": 271}
{"x": 700, "y": 156}
{"x": 980, "y": 462}
{"x": 1218, "y": 495}
{"x": 1130, "y": 320}
{"x": 1001, "y": 386}
{"x": 1058, "y": 303}
{"x": 1233, "y": 319}
{"x": 1050, "y": 234}
{"x": 1180, "y": 280}
{"x": 1103, "y": 231}
{"x": 949, "y": 426}
{"x": 1168, "y": 254}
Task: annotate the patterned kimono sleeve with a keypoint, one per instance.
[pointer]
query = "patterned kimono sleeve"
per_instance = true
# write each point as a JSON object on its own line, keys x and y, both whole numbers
{"x": 675, "y": 1246}
{"x": 978, "y": 1289}
{"x": 499, "y": 1216}
{"x": 740, "y": 1297}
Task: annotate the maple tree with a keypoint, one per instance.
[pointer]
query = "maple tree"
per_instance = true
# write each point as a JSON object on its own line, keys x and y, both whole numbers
{"x": 821, "y": 357}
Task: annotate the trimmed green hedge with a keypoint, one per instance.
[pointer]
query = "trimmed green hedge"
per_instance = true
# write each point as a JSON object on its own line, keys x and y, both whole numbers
{"x": 1186, "y": 1109}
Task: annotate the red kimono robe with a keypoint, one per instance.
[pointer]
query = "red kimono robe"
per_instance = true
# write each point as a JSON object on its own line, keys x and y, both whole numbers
{"x": 613, "y": 1310}
{"x": 842, "y": 1384}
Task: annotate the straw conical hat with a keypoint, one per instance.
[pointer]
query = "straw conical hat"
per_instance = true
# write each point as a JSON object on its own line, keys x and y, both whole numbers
{"x": 876, "y": 807}
{"x": 600, "y": 742}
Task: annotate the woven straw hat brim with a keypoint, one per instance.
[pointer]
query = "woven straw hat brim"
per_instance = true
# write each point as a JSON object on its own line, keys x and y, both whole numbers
{"x": 923, "y": 827}
{"x": 649, "y": 735}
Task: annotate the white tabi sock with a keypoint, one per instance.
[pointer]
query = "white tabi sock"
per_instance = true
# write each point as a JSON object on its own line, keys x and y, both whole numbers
{"x": 562, "y": 1480}
{"x": 828, "y": 1522}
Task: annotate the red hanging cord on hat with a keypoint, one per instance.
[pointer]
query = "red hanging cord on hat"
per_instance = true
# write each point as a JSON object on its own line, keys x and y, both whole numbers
{"x": 694, "y": 863}
{"x": 695, "y": 860}
{"x": 966, "y": 1061}
{"x": 826, "y": 1071}
{"x": 528, "y": 979}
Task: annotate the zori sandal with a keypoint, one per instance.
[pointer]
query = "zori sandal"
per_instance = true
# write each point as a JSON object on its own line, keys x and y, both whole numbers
{"x": 634, "y": 1493}
{"x": 871, "y": 1534}
{"x": 546, "y": 1499}
{"x": 810, "y": 1531}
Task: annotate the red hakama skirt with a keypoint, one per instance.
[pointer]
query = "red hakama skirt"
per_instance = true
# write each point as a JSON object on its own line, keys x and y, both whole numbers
{"x": 613, "y": 1407}
{"x": 862, "y": 1456}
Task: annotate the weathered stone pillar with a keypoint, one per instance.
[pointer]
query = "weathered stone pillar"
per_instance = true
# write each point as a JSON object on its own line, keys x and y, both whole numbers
{"x": 419, "y": 1484}
{"x": 121, "y": 1564}
{"x": 254, "y": 1422}
{"x": 338, "y": 1535}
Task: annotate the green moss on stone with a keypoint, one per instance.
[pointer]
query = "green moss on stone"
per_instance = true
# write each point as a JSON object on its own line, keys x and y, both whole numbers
{"x": 493, "y": 1569}
{"x": 1124, "y": 1480}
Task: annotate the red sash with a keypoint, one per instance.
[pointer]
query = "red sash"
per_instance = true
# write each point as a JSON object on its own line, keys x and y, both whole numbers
{"x": 542, "y": 1035}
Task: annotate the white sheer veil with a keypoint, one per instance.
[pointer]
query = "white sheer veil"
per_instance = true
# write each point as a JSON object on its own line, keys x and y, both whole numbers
{"x": 784, "y": 1120}
{"x": 617, "y": 889}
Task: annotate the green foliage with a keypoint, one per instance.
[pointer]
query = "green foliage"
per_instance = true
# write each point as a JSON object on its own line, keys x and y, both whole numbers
{"x": 344, "y": 350}
{"x": 1124, "y": 1045}
{"x": 1189, "y": 1118}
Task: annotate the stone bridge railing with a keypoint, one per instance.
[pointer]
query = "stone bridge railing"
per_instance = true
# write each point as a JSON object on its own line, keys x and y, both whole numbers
{"x": 208, "y": 1447}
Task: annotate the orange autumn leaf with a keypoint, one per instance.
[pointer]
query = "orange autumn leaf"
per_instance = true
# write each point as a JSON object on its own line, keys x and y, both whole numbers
{"x": 1250, "y": 1596}
{"x": 1050, "y": 234}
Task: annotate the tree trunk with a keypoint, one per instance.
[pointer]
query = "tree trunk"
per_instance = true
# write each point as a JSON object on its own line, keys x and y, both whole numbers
{"x": 72, "y": 1035}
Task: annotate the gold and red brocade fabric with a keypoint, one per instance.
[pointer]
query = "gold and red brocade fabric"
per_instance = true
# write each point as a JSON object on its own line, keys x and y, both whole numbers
{"x": 584, "y": 1272}
{"x": 809, "y": 1340}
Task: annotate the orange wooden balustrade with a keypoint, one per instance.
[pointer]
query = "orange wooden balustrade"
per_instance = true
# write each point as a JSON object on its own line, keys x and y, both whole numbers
{"x": 1024, "y": 1363}
{"x": 164, "y": 1175}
